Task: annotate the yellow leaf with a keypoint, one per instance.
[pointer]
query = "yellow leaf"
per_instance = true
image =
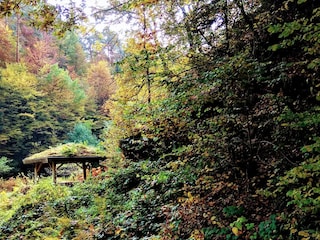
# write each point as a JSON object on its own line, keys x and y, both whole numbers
{"x": 117, "y": 232}
{"x": 293, "y": 230}
{"x": 235, "y": 231}
{"x": 197, "y": 235}
{"x": 303, "y": 233}
{"x": 190, "y": 197}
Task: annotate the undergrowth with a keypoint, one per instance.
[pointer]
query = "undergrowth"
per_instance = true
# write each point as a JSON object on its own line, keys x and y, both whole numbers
{"x": 162, "y": 200}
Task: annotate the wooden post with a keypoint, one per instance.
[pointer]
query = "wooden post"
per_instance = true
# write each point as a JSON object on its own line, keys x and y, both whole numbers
{"x": 37, "y": 168}
{"x": 35, "y": 172}
{"x": 54, "y": 172}
{"x": 84, "y": 167}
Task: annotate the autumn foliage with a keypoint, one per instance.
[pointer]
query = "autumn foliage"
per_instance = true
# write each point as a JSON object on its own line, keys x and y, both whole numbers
{"x": 210, "y": 122}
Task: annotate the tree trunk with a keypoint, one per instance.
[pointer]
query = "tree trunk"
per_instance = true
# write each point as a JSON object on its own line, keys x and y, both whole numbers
{"x": 17, "y": 38}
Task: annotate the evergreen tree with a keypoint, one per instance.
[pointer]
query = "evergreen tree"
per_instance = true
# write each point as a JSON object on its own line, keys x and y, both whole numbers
{"x": 82, "y": 133}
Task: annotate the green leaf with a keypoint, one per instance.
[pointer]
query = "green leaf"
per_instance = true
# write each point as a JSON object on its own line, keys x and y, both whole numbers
{"x": 274, "y": 28}
{"x": 249, "y": 226}
{"x": 274, "y": 47}
{"x": 301, "y": 1}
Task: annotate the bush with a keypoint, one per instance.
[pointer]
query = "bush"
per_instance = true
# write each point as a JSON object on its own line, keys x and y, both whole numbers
{"x": 5, "y": 166}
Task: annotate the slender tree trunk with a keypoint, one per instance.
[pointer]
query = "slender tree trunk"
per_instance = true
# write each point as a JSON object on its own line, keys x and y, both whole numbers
{"x": 17, "y": 37}
{"x": 248, "y": 21}
{"x": 148, "y": 85}
{"x": 226, "y": 20}
{"x": 147, "y": 58}
{"x": 188, "y": 29}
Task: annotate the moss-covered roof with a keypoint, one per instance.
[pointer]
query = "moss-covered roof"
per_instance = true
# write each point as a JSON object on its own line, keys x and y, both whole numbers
{"x": 70, "y": 150}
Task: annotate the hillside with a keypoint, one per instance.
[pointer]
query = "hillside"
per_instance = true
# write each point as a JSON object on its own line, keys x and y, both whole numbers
{"x": 209, "y": 121}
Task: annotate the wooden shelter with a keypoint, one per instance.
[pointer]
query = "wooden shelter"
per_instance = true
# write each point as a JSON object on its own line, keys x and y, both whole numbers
{"x": 85, "y": 156}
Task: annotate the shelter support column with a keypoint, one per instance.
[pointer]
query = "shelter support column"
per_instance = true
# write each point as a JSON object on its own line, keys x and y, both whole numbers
{"x": 37, "y": 167}
{"x": 35, "y": 173}
{"x": 84, "y": 167}
{"x": 54, "y": 172}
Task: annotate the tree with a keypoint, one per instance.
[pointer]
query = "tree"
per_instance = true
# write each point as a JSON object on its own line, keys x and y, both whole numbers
{"x": 102, "y": 45}
{"x": 7, "y": 45}
{"x": 101, "y": 83}
{"x": 19, "y": 112}
{"x": 40, "y": 53}
{"x": 72, "y": 56}
{"x": 82, "y": 133}
{"x": 45, "y": 16}
{"x": 26, "y": 83}
{"x": 147, "y": 64}
{"x": 69, "y": 97}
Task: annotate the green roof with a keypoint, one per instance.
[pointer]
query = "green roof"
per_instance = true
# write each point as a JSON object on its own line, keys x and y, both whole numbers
{"x": 70, "y": 150}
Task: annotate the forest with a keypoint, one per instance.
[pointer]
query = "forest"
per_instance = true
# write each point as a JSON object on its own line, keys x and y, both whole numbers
{"x": 206, "y": 111}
